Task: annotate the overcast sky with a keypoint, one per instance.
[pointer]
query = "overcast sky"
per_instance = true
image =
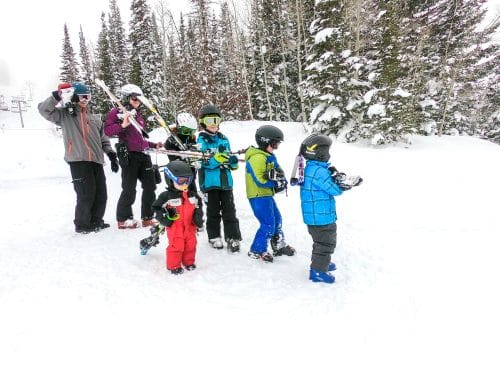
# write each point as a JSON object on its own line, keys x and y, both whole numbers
{"x": 31, "y": 34}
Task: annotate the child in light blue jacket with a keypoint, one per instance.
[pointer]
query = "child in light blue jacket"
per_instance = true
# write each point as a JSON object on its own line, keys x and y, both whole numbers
{"x": 317, "y": 195}
{"x": 216, "y": 181}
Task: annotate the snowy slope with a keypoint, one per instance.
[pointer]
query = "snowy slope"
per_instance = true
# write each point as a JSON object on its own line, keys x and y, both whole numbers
{"x": 416, "y": 289}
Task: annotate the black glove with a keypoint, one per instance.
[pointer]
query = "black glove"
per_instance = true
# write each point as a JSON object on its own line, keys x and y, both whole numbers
{"x": 281, "y": 185}
{"x": 198, "y": 217}
{"x": 332, "y": 170}
{"x": 344, "y": 187}
{"x": 172, "y": 213}
{"x": 275, "y": 174}
{"x": 114, "y": 161}
{"x": 161, "y": 216}
{"x": 56, "y": 96}
{"x": 233, "y": 159}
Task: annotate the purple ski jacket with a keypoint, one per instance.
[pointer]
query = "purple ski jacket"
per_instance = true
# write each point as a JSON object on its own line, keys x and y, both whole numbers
{"x": 130, "y": 136}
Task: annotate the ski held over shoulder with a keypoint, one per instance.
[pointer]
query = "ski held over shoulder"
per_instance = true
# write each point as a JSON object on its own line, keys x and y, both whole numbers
{"x": 117, "y": 101}
{"x": 161, "y": 121}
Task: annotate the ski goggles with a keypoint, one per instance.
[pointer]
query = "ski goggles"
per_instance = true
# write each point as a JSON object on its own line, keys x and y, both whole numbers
{"x": 84, "y": 97}
{"x": 184, "y": 130}
{"x": 182, "y": 180}
{"x": 211, "y": 120}
{"x": 179, "y": 180}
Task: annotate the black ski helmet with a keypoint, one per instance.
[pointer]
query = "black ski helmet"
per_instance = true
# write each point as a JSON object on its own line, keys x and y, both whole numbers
{"x": 268, "y": 135}
{"x": 316, "y": 147}
{"x": 209, "y": 109}
{"x": 177, "y": 168}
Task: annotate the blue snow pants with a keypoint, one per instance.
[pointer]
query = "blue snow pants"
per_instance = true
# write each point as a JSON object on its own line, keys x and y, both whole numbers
{"x": 269, "y": 216}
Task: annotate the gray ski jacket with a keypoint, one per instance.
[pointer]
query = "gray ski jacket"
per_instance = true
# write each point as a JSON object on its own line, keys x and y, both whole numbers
{"x": 83, "y": 134}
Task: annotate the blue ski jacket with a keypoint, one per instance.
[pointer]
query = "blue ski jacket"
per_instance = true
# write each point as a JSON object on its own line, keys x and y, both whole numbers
{"x": 317, "y": 194}
{"x": 215, "y": 175}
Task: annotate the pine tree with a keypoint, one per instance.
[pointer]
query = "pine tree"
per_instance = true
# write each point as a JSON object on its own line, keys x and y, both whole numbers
{"x": 146, "y": 55}
{"x": 118, "y": 47}
{"x": 391, "y": 113}
{"x": 450, "y": 62}
{"x": 203, "y": 54}
{"x": 104, "y": 66}
{"x": 183, "y": 72}
{"x": 336, "y": 79}
{"x": 69, "y": 68}
{"x": 228, "y": 68}
{"x": 86, "y": 65}
{"x": 261, "y": 88}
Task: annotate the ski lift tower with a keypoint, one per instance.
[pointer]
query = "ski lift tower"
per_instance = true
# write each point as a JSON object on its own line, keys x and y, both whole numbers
{"x": 20, "y": 102}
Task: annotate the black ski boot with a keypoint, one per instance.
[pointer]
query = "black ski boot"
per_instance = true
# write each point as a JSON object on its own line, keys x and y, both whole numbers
{"x": 233, "y": 245}
{"x": 280, "y": 247}
{"x": 177, "y": 271}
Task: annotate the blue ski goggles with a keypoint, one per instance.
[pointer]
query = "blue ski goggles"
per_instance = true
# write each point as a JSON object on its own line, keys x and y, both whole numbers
{"x": 179, "y": 180}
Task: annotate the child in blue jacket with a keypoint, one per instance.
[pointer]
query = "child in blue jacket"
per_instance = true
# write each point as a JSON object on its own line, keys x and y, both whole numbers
{"x": 216, "y": 181}
{"x": 317, "y": 195}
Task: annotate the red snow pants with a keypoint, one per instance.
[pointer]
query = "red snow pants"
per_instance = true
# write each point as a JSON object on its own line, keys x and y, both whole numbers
{"x": 181, "y": 249}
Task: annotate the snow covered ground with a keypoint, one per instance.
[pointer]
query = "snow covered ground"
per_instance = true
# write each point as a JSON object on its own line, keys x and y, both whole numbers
{"x": 417, "y": 279}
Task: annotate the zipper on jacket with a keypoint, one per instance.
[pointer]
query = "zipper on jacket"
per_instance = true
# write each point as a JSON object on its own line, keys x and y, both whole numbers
{"x": 83, "y": 117}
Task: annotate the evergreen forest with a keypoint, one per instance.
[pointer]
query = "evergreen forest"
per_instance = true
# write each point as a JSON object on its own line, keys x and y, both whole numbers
{"x": 359, "y": 70}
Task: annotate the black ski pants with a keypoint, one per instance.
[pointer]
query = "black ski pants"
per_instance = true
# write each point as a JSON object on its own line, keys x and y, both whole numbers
{"x": 139, "y": 168}
{"x": 89, "y": 183}
{"x": 220, "y": 204}
{"x": 324, "y": 242}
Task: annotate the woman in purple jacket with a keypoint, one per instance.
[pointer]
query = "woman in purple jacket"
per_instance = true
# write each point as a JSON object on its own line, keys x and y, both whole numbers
{"x": 135, "y": 163}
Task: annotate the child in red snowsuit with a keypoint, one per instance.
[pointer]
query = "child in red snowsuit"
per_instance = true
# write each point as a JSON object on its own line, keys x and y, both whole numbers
{"x": 180, "y": 211}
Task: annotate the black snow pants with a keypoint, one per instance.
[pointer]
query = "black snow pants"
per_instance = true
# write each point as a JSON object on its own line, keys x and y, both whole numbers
{"x": 89, "y": 183}
{"x": 139, "y": 168}
{"x": 324, "y": 241}
{"x": 221, "y": 205}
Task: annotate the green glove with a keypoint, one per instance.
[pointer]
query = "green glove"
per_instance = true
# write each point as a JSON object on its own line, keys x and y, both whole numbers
{"x": 221, "y": 158}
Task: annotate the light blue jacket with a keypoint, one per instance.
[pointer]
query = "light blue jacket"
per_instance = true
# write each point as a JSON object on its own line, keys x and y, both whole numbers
{"x": 317, "y": 194}
{"x": 215, "y": 175}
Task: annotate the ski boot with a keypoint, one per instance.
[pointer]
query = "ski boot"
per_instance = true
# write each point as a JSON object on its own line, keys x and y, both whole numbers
{"x": 149, "y": 222}
{"x": 265, "y": 256}
{"x": 191, "y": 267}
{"x": 280, "y": 247}
{"x": 177, "y": 271}
{"x": 233, "y": 245}
{"x": 100, "y": 226}
{"x": 216, "y": 243}
{"x": 129, "y": 224}
{"x": 321, "y": 277}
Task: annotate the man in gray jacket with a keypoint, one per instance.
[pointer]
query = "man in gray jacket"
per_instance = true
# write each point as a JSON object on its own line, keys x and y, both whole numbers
{"x": 84, "y": 143}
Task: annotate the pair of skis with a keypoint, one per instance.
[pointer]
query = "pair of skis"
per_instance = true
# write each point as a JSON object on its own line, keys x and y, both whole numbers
{"x": 154, "y": 239}
{"x": 189, "y": 154}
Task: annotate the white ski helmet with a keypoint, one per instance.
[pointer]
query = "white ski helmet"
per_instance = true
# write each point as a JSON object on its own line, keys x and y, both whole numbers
{"x": 129, "y": 90}
{"x": 187, "y": 120}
